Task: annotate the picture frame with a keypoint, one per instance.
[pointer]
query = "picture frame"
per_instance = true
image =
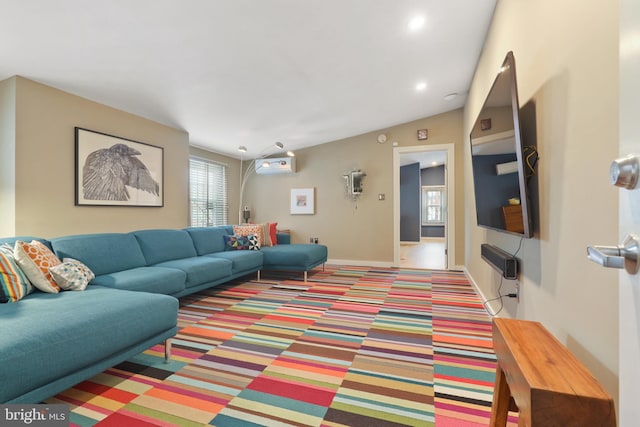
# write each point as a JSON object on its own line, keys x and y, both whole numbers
{"x": 303, "y": 201}
{"x": 485, "y": 124}
{"x": 115, "y": 171}
{"x": 423, "y": 134}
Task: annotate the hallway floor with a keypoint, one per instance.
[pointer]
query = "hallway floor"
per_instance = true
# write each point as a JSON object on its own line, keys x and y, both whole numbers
{"x": 428, "y": 254}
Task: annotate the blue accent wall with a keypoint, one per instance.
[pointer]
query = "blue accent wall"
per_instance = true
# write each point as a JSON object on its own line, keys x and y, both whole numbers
{"x": 410, "y": 203}
{"x": 493, "y": 191}
{"x": 432, "y": 176}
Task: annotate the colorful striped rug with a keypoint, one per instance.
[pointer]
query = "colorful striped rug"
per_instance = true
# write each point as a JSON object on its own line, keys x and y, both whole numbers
{"x": 352, "y": 346}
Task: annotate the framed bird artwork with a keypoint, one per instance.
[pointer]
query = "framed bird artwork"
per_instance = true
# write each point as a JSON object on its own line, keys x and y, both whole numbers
{"x": 114, "y": 171}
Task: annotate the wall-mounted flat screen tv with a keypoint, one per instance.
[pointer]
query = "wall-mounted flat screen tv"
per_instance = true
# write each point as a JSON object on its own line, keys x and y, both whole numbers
{"x": 499, "y": 160}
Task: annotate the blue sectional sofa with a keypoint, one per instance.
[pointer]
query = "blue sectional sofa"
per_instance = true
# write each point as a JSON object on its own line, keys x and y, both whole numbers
{"x": 53, "y": 341}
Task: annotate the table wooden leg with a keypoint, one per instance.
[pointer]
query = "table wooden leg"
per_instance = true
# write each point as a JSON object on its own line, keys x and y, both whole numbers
{"x": 501, "y": 397}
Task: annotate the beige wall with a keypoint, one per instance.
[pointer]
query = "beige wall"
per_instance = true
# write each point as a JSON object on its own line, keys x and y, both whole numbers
{"x": 359, "y": 230}
{"x": 567, "y": 64}
{"x": 44, "y": 162}
{"x": 7, "y": 156}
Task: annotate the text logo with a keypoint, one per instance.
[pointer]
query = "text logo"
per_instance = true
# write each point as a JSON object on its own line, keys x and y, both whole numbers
{"x": 41, "y": 415}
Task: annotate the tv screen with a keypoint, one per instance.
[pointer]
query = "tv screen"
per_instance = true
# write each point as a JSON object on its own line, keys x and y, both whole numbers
{"x": 498, "y": 158}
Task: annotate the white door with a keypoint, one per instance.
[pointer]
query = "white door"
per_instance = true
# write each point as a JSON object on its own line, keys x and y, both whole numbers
{"x": 449, "y": 149}
{"x": 629, "y": 327}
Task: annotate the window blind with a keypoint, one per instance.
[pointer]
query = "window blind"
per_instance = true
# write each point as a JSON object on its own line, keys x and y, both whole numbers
{"x": 208, "y": 184}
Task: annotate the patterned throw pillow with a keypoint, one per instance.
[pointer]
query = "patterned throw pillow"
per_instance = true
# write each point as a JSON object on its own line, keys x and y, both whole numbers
{"x": 254, "y": 245}
{"x": 36, "y": 259}
{"x": 14, "y": 285}
{"x": 246, "y": 230}
{"x": 72, "y": 275}
{"x": 236, "y": 243}
{"x": 241, "y": 243}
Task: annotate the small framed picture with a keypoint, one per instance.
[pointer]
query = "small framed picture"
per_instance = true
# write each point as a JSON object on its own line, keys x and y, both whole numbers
{"x": 422, "y": 134}
{"x": 485, "y": 124}
{"x": 303, "y": 201}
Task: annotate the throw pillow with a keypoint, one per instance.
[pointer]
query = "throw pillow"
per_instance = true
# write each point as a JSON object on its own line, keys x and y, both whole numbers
{"x": 266, "y": 236}
{"x": 273, "y": 233}
{"x": 246, "y": 230}
{"x": 254, "y": 245}
{"x": 236, "y": 243}
{"x": 8, "y": 250}
{"x": 241, "y": 243}
{"x": 72, "y": 275}
{"x": 36, "y": 259}
{"x": 14, "y": 285}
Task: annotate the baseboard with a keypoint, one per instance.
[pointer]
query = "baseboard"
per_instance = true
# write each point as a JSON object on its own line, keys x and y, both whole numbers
{"x": 483, "y": 297}
{"x": 381, "y": 264}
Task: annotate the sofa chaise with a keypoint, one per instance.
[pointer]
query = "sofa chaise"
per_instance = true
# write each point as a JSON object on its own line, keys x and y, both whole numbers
{"x": 52, "y": 341}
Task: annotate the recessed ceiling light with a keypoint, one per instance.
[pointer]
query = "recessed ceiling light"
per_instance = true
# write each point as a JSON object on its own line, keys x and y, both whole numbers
{"x": 416, "y": 23}
{"x": 450, "y": 97}
{"x": 434, "y": 163}
{"x": 421, "y": 86}
{"x": 242, "y": 149}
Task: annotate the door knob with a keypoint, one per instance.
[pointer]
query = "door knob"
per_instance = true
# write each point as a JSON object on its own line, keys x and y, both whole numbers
{"x": 624, "y": 172}
{"x": 621, "y": 256}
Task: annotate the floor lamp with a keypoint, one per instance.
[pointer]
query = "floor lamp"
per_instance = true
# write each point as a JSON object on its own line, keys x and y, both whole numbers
{"x": 245, "y": 213}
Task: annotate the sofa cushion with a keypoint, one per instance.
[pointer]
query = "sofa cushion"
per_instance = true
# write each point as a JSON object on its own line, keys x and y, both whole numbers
{"x": 283, "y": 238}
{"x": 12, "y": 240}
{"x": 100, "y": 321}
{"x": 165, "y": 245}
{"x": 145, "y": 279}
{"x": 298, "y": 257}
{"x": 241, "y": 260}
{"x": 200, "y": 270}
{"x": 207, "y": 240}
{"x": 103, "y": 253}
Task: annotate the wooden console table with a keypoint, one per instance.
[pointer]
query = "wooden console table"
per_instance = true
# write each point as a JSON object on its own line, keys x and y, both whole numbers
{"x": 549, "y": 385}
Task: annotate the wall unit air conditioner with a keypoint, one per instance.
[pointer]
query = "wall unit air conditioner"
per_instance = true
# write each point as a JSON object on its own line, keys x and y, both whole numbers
{"x": 272, "y": 166}
{"x": 505, "y": 168}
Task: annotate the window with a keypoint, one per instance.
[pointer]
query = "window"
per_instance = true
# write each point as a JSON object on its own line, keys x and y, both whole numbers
{"x": 433, "y": 203}
{"x": 208, "y": 193}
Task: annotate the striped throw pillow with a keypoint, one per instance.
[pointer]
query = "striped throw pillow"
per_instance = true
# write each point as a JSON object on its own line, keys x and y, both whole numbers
{"x": 14, "y": 285}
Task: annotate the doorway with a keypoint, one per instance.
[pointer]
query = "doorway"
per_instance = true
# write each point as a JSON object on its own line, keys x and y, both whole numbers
{"x": 423, "y": 250}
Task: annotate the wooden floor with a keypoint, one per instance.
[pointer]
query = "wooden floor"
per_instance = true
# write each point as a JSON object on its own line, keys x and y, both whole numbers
{"x": 428, "y": 254}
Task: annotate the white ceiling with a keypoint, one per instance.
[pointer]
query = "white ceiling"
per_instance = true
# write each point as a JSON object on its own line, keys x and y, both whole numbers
{"x": 243, "y": 72}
